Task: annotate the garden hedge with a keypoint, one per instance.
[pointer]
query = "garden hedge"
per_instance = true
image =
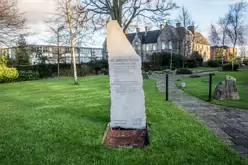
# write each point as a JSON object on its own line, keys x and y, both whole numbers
{"x": 184, "y": 71}
{"x": 228, "y": 67}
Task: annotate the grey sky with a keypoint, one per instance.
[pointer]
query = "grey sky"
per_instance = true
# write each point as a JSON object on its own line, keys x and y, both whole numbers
{"x": 204, "y": 12}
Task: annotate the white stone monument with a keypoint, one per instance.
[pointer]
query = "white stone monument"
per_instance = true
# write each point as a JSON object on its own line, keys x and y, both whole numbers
{"x": 126, "y": 82}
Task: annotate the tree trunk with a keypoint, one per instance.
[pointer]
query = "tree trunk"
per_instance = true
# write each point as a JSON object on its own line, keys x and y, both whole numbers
{"x": 72, "y": 42}
{"x": 58, "y": 60}
{"x": 233, "y": 57}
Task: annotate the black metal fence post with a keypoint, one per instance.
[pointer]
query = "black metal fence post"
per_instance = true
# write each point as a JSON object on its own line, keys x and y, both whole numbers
{"x": 210, "y": 86}
{"x": 167, "y": 87}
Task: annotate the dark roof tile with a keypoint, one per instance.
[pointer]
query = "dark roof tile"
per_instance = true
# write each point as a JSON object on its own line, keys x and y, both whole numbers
{"x": 151, "y": 36}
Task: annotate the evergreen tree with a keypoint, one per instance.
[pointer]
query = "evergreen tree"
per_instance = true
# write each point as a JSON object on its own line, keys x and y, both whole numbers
{"x": 22, "y": 57}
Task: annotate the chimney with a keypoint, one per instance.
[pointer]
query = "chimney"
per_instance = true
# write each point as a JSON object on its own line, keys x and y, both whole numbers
{"x": 147, "y": 29}
{"x": 161, "y": 27}
{"x": 178, "y": 25}
{"x": 192, "y": 29}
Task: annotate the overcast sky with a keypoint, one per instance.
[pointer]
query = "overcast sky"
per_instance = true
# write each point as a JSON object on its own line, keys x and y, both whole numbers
{"x": 204, "y": 12}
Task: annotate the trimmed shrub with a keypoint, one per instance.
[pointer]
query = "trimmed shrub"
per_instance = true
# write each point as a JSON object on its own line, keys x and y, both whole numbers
{"x": 161, "y": 60}
{"x": 245, "y": 61}
{"x": 149, "y": 72}
{"x": 213, "y": 63}
{"x": 44, "y": 70}
{"x": 196, "y": 55}
{"x": 228, "y": 67}
{"x": 51, "y": 70}
{"x": 205, "y": 64}
{"x": 28, "y": 76}
{"x": 192, "y": 63}
{"x": 8, "y": 74}
{"x": 104, "y": 71}
{"x": 184, "y": 71}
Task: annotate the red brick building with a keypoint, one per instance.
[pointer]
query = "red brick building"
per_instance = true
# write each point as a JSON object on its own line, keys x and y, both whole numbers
{"x": 217, "y": 53}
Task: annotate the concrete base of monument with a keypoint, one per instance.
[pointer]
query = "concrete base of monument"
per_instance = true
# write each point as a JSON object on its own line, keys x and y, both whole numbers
{"x": 125, "y": 138}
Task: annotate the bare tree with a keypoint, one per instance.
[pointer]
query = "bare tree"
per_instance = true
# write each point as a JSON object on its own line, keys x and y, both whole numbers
{"x": 74, "y": 17}
{"x": 126, "y": 11}
{"x": 58, "y": 37}
{"x": 243, "y": 48}
{"x": 184, "y": 17}
{"x": 223, "y": 24}
{"x": 11, "y": 21}
{"x": 72, "y": 36}
{"x": 236, "y": 26}
{"x": 214, "y": 35}
{"x": 219, "y": 36}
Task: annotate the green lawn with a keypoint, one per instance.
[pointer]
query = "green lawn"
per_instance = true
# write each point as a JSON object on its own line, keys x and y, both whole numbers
{"x": 204, "y": 69}
{"x": 55, "y": 122}
{"x": 199, "y": 87}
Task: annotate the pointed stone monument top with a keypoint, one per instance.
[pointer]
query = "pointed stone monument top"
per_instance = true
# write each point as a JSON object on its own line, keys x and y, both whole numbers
{"x": 117, "y": 42}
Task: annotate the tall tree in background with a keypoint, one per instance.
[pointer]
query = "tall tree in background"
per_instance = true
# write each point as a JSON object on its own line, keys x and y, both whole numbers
{"x": 72, "y": 36}
{"x": 243, "y": 48}
{"x": 22, "y": 56}
{"x": 75, "y": 19}
{"x": 11, "y": 21}
{"x": 236, "y": 26}
{"x": 58, "y": 37}
{"x": 185, "y": 18}
{"x": 126, "y": 11}
{"x": 219, "y": 36}
{"x": 214, "y": 35}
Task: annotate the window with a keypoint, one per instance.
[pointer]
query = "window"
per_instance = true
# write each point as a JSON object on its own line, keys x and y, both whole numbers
{"x": 144, "y": 47}
{"x": 147, "y": 47}
{"x": 39, "y": 48}
{"x": 163, "y": 45}
{"x": 169, "y": 45}
{"x": 154, "y": 46}
{"x": 86, "y": 51}
{"x": 67, "y": 50}
{"x": 97, "y": 51}
{"x": 46, "y": 49}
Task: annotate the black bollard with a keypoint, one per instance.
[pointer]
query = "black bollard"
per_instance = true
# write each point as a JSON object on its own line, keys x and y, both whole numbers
{"x": 167, "y": 87}
{"x": 210, "y": 86}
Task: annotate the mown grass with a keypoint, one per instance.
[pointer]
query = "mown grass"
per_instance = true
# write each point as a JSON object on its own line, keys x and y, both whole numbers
{"x": 199, "y": 87}
{"x": 55, "y": 122}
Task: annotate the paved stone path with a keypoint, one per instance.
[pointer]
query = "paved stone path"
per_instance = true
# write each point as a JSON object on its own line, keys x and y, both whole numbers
{"x": 229, "y": 124}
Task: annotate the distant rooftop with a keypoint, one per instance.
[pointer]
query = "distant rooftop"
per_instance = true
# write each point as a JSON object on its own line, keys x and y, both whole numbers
{"x": 178, "y": 34}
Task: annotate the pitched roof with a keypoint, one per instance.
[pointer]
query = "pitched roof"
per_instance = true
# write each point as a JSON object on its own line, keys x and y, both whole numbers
{"x": 200, "y": 39}
{"x": 224, "y": 47}
{"x": 150, "y": 37}
{"x": 178, "y": 33}
{"x": 181, "y": 32}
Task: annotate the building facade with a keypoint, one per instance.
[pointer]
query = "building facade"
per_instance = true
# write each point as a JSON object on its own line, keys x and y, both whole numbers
{"x": 223, "y": 52}
{"x": 83, "y": 54}
{"x": 183, "y": 41}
